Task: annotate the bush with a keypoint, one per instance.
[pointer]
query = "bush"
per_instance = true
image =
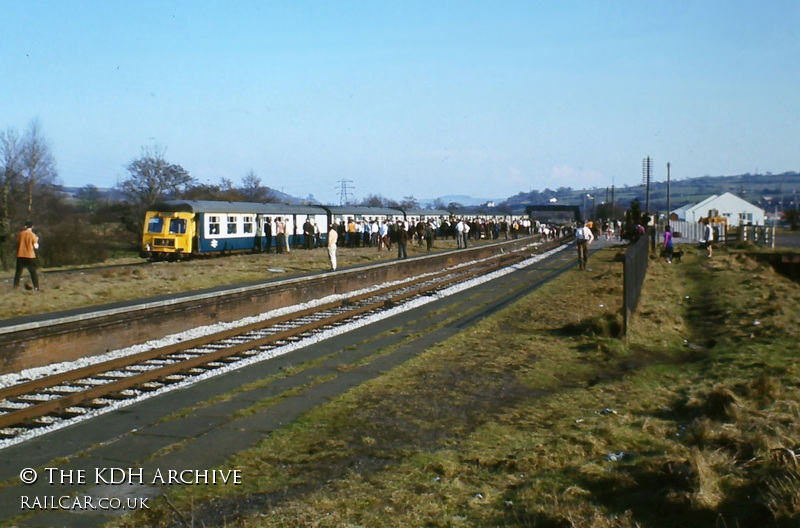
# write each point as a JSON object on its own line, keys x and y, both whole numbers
{"x": 71, "y": 243}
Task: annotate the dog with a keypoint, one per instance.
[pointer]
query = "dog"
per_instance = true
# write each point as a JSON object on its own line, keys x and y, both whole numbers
{"x": 676, "y": 255}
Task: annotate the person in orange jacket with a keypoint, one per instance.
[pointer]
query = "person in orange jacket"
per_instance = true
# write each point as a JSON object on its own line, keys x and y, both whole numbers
{"x": 27, "y": 244}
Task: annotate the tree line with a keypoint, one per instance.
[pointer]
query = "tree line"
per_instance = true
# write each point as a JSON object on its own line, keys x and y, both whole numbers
{"x": 89, "y": 227}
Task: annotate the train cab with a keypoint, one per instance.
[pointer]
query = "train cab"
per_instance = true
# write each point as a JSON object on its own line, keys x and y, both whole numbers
{"x": 167, "y": 235}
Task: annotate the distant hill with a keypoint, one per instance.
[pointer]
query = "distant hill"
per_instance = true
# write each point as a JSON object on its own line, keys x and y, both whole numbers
{"x": 466, "y": 201}
{"x": 113, "y": 194}
{"x": 769, "y": 191}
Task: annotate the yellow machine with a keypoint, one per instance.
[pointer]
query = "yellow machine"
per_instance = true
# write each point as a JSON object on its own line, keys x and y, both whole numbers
{"x": 715, "y": 219}
{"x": 168, "y": 234}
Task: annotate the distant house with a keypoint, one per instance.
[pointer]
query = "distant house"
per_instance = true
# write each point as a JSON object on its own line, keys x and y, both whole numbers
{"x": 729, "y": 206}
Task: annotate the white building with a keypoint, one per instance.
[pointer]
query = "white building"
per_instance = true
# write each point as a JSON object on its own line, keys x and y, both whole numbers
{"x": 729, "y": 206}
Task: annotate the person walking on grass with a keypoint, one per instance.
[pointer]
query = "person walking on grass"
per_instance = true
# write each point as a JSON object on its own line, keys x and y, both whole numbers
{"x": 668, "y": 249}
{"x": 27, "y": 244}
{"x": 708, "y": 237}
{"x": 583, "y": 237}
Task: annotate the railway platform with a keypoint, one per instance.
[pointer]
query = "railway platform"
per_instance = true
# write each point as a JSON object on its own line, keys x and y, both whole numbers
{"x": 203, "y": 437}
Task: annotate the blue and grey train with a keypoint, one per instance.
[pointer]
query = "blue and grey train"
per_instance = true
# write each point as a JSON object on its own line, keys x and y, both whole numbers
{"x": 178, "y": 229}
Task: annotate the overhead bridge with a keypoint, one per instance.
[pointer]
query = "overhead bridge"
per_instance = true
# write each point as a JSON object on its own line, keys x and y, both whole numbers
{"x": 550, "y": 207}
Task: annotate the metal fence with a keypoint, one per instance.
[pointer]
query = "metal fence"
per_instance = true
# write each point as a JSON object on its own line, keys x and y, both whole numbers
{"x": 634, "y": 270}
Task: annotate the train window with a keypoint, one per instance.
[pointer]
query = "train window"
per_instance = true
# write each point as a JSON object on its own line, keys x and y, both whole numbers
{"x": 231, "y": 225}
{"x": 155, "y": 225}
{"x": 177, "y": 226}
{"x": 247, "y": 226}
{"x": 213, "y": 225}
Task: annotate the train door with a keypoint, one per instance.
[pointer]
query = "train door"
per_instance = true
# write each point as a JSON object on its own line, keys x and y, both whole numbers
{"x": 197, "y": 229}
{"x": 259, "y": 234}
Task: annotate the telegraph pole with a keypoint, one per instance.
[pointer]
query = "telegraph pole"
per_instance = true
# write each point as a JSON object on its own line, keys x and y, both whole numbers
{"x": 668, "y": 209}
{"x": 647, "y": 172}
{"x": 612, "y": 197}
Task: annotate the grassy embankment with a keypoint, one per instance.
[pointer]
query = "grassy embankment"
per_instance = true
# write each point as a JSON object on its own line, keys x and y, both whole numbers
{"x": 65, "y": 289}
{"x": 541, "y": 416}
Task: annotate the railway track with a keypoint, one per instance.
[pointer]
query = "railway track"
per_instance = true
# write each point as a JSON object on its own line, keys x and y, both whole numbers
{"x": 56, "y": 400}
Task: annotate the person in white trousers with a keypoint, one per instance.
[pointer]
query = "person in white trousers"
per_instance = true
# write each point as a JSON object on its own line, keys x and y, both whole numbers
{"x": 333, "y": 238}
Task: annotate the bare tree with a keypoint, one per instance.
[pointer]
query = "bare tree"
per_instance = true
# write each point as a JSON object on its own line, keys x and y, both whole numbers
{"x": 373, "y": 200}
{"x": 438, "y": 203}
{"x": 89, "y": 196}
{"x": 152, "y": 178}
{"x": 10, "y": 158}
{"x": 38, "y": 165}
{"x": 409, "y": 202}
{"x": 252, "y": 191}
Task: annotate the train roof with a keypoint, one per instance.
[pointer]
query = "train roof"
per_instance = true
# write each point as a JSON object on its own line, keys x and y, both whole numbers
{"x": 483, "y": 212}
{"x": 426, "y": 212}
{"x": 363, "y": 210}
{"x": 211, "y": 206}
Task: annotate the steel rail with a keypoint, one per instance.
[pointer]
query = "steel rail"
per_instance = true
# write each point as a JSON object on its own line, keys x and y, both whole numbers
{"x": 58, "y": 404}
{"x": 117, "y": 363}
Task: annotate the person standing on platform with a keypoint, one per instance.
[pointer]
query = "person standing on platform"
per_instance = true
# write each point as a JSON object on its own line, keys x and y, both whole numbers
{"x": 27, "y": 244}
{"x": 429, "y": 235}
{"x": 280, "y": 235}
{"x": 308, "y": 234}
{"x": 333, "y": 238}
{"x": 267, "y": 234}
{"x": 402, "y": 241}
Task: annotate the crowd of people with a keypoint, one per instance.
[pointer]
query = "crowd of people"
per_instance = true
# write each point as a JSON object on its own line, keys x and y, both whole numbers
{"x": 386, "y": 233}
{"x": 383, "y": 233}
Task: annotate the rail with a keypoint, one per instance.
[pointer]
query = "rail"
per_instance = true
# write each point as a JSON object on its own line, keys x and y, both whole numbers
{"x": 40, "y": 402}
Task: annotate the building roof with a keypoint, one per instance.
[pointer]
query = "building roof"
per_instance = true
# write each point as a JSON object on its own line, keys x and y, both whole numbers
{"x": 700, "y": 210}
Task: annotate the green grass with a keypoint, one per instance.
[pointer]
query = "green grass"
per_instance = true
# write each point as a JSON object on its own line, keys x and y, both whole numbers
{"x": 78, "y": 287}
{"x": 504, "y": 424}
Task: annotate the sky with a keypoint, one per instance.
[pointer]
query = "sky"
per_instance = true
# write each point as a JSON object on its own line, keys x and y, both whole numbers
{"x": 407, "y": 98}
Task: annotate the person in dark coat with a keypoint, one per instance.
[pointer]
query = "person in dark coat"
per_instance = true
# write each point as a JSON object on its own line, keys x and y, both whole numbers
{"x": 429, "y": 235}
{"x": 402, "y": 241}
{"x": 267, "y": 234}
{"x": 308, "y": 234}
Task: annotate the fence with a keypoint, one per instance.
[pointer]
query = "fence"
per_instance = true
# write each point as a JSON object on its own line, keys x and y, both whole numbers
{"x": 758, "y": 235}
{"x": 693, "y": 231}
{"x": 634, "y": 269}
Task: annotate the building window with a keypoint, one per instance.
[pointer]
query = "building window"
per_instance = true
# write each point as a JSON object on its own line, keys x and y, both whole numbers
{"x": 213, "y": 225}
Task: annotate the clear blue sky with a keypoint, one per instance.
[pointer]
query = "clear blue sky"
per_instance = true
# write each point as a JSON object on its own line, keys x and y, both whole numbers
{"x": 422, "y": 98}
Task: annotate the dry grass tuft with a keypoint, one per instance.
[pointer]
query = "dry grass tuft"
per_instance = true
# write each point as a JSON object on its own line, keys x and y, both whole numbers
{"x": 782, "y": 497}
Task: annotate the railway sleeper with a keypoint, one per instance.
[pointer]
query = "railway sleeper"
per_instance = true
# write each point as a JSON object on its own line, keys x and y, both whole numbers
{"x": 11, "y": 432}
{"x": 98, "y": 403}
